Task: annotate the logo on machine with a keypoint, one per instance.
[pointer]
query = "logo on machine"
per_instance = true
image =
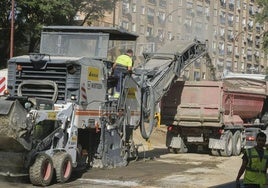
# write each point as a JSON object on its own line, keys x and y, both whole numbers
{"x": 93, "y": 74}
{"x": 131, "y": 93}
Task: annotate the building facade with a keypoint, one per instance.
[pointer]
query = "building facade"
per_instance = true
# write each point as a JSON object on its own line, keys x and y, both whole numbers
{"x": 233, "y": 35}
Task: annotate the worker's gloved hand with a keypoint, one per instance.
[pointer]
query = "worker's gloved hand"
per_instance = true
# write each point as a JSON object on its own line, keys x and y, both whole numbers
{"x": 129, "y": 72}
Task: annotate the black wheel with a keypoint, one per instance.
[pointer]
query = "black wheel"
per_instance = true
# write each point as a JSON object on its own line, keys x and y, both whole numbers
{"x": 148, "y": 120}
{"x": 192, "y": 148}
{"x": 237, "y": 143}
{"x": 41, "y": 172}
{"x": 228, "y": 148}
{"x": 63, "y": 166}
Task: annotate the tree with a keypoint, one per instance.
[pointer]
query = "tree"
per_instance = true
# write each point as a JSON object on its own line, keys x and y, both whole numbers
{"x": 262, "y": 17}
{"x": 31, "y": 15}
{"x": 95, "y": 9}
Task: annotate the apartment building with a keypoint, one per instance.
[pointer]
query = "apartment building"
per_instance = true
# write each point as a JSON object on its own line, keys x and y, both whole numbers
{"x": 233, "y": 35}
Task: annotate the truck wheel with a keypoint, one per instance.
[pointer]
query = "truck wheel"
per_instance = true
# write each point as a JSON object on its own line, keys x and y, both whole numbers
{"x": 192, "y": 148}
{"x": 237, "y": 143}
{"x": 63, "y": 166}
{"x": 228, "y": 148}
{"x": 41, "y": 172}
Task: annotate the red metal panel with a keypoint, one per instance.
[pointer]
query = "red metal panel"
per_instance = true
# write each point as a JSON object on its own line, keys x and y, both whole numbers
{"x": 2, "y": 85}
{"x": 213, "y": 102}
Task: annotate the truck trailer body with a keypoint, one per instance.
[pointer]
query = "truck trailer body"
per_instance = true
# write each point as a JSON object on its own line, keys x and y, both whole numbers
{"x": 214, "y": 114}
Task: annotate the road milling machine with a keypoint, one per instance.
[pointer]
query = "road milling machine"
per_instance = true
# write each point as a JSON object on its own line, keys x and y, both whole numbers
{"x": 60, "y": 113}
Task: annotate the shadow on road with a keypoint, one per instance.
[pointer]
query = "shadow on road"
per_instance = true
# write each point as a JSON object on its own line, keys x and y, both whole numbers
{"x": 154, "y": 153}
{"x": 227, "y": 185}
{"x": 157, "y": 152}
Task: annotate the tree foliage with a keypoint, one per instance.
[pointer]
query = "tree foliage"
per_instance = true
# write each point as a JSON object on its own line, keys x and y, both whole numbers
{"x": 262, "y": 17}
{"x": 31, "y": 15}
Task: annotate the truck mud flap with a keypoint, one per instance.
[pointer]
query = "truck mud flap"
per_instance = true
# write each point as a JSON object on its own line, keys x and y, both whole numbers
{"x": 216, "y": 144}
{"x": 176, "y": 142}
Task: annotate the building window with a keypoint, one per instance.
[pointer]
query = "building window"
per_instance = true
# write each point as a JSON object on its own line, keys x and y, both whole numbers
{"x": 149, "y": 31}
{"x": 229, "y": 49}
{"x": 214, "y": 46}
{"x": 170, "y": 18}
{"x": 222, "y": 33}
{"x": 230, "y": 35}
{"x": 197, "y": 75}
{"x": 230, "y": 19}
{"x": 207, "y": 13}
{"x": 179, "y": 20}
{"x": 134, "y": 29}
{"x": 250, "y": 24}
{"x": 150, "y": 12}
{"x": 203, "y": 75}
{"x": 142, "y": 10}
{"x": 125, "y": 25}
{"x": 189, "y": 5}
{"x": 142, "y": 29}
{"x": 199, "y": 10}
{"x": 228, "y": 66}
{"x": 134, "y": 8}
{"x": 161, "y": 17}
{"x": 237, "y": 19}
{"x": 242, "y": 65}
{"x": 222, "y": 17}
{"x": 152, "y": 1}
{"x": 162, "y": 3}
{"x": 231, "y": 5}
{"x": 223, "y": 3}
{"x": 236, "y": 52}
{"x": 249, "y": 55}
{"x": 150, "y": 16}
{"x": 169, "y": 36}
{"x": 188, "y": 22}
{"x": 245, "y": 5}
{"x": 125, "y": 7}
{"x": 215, "y": 33}
{"x": 221, "y": 48}
{"x": 160, "y": 34}
{"x": 199, "y": 26}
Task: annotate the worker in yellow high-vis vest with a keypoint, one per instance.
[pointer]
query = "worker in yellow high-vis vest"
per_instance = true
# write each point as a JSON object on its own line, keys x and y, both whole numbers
{"x": 255, "y": 161}
{"x": 123, "y": 64}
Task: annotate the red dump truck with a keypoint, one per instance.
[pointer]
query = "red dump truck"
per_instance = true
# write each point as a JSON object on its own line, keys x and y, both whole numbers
{"x": 214, "y": 114}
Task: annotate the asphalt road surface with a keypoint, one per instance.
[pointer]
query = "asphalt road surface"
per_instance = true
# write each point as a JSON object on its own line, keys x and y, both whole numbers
{"x": 155, "y": 168}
